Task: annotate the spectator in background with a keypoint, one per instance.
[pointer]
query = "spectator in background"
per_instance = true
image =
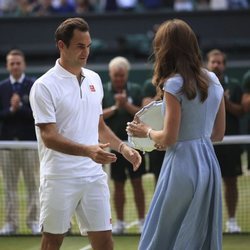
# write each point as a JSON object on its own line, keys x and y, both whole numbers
{"x": 18, "y": 125}
{"x": 83, "y": 6}
{"x": 65, "y": 7}
{"x": 155, "y": 157}
{"x": 44, "y": 8}
{"x": 183, "y": 5}
{"x": 229, "y": 156}
{"x": 237, "y": 4}
{"x": 122, "y": 99}
{"x": 246, "y": 88}
{"x": 152, "y": 4}
{"x": 24, "y": 8}
{"x": 246, "y": 106}
{"x": 110, "y": 5}
{"x": 126, "y": 5}
{"x": 218, "y": 4}
{"x": 7, "y": 6}
{"x": 228, "y": 4}
{"x": 202, "y": 4}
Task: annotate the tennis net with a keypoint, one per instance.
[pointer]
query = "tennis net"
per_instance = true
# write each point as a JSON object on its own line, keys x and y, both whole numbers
{"x": 21, "y": 159}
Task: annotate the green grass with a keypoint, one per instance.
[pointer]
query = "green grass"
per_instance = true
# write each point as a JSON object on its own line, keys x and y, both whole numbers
{"x": 230, "y": 242}
{"x": 243, "y": 210}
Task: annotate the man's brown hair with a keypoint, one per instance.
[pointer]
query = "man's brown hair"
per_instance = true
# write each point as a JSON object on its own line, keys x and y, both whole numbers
{"x": 65, "y": 30}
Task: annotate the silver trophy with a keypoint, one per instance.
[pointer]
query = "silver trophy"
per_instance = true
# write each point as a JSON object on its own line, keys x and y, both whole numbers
{"x": 151, "y": 115}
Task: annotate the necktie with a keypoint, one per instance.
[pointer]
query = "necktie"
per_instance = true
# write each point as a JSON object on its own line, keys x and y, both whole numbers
{"x": 16, "y": 87}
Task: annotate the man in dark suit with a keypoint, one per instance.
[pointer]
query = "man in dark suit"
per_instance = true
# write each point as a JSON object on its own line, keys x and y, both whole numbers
{"x": 17, "y": 125}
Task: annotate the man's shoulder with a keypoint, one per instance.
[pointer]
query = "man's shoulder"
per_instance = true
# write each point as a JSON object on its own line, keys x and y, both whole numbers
{"x": 107, "y": 86}
{"x": 47, "y": 75}
{"x": 90, "y": 73}
{"x": 108, "y": 92}
{"x": 234, "y": 85}
{"x": 233, "y": 80}
{"x": 4, "y": 82}
{"x": 148, "y": 82}
{"x": 29, "y": 79}
{"x": 134, "y": 85}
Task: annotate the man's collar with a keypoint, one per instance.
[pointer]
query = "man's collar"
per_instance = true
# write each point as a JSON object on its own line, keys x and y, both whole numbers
{"x": 20, "y": 80}
{"x": 63, "y": 72}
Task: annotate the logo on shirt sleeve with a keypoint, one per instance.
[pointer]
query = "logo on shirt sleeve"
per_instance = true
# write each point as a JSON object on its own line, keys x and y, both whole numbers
{"x": 92, "y": 88}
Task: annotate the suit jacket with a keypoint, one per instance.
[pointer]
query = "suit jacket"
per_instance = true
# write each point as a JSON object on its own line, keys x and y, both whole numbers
{"x": 16, "y": 125}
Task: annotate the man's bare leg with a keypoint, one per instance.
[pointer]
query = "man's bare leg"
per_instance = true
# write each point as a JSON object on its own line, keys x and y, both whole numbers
{"x": 101, "y": 240}
{"x": 51, "y": 241}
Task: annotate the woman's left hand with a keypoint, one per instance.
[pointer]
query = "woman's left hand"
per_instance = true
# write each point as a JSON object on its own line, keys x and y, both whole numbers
{"x": 137, "y": 128}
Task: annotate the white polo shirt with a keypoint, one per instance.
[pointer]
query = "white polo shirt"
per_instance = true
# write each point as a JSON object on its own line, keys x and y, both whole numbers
{"x": 57, "y": 97}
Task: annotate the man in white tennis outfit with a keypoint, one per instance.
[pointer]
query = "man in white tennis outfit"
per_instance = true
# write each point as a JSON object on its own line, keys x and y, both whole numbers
{"x": 72, "y": 137}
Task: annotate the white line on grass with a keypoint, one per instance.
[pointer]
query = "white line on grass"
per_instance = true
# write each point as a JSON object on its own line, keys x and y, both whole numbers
{"x": 129, "y": 225}
{"x": 88, "y": 247}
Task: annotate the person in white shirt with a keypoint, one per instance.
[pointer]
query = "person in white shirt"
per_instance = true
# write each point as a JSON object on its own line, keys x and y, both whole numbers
{"x": 72, "y": 140}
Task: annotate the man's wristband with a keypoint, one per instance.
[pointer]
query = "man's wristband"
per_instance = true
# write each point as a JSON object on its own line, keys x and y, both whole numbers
{"x": 113, "y": 108}
{"x": 121, "y": 145}
{"x": 148, "y": 133}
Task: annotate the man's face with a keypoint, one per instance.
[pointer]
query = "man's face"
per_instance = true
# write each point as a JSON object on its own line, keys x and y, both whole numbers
{"x": 78, "y": 51}
{"x": 216, "y": 64}
{"x": 15, "y": 65}
{"x": 118, "y": 76}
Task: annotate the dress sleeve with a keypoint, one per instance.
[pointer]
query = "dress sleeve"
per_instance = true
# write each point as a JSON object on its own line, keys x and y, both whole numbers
{"x": 173, "y": 86}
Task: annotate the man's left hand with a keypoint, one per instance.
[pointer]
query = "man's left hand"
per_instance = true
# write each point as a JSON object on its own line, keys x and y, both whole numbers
{"x": 132, "y": 156}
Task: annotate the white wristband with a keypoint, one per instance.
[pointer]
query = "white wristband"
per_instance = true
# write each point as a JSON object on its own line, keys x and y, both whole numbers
{"x": 113, "y": 108}
{"x": 119, "y": 150}
{"x": 148, "y": 133}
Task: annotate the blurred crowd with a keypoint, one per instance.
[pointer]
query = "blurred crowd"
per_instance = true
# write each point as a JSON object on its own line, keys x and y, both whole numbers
{"x": 61, "y": 7}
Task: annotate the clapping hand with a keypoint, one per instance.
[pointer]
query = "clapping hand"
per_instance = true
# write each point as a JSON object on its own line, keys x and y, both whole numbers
{"x": 15, "y": 102}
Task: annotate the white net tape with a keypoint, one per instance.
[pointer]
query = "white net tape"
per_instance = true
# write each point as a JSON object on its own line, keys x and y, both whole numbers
{"x": 18, "y": 145}
{"x": 235, "y": 139}
{"x": 229, "y": 139}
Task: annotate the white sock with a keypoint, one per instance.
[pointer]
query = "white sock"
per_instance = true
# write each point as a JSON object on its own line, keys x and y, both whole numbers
{"x": 232, "y": 219}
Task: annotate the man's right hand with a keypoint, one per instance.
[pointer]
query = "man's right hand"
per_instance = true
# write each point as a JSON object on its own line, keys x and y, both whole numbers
{"x": 99, "y": 155}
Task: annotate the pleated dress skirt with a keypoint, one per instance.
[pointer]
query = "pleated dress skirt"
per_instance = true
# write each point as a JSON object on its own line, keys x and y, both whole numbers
{"x": 186, "y": 209}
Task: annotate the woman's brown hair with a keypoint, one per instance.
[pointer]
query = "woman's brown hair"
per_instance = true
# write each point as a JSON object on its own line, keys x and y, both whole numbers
{"x": 176, "y": 50}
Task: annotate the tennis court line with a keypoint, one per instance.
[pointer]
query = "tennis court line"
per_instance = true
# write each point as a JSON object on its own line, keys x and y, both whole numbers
{"x": 129, "y": 225}
{"x": 88, "y": 247}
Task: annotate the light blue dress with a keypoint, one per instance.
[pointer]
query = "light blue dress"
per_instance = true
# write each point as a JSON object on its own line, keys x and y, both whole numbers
{"x": 186, "y": 209}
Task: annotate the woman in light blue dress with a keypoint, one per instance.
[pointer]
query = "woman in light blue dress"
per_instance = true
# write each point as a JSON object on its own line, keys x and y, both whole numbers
{"x": 185, "y": 212}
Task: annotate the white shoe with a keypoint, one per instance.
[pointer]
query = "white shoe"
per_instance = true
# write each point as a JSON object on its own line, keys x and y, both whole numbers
{"x": 140, "y": 225}
{"x": 35, "y": 228}
{"x": 119, "y": 227}
{"x": 232, "y": 226}
{"x": 8, "y": 229}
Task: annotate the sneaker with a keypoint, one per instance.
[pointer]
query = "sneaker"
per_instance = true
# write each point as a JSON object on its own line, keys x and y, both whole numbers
{"x": 8, "y": 229}
{"x": 35, "y": 228}
{"x": 140, "y": 225}
{"x": 119, "y": 227}
{"x": 232, "y": 226}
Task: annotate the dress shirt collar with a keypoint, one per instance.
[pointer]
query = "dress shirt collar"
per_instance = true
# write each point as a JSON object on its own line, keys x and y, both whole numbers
{"x": 20, "y": 80}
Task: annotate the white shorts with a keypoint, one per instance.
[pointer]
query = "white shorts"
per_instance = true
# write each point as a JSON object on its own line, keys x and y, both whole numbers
{"x": 88, "y": 197}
